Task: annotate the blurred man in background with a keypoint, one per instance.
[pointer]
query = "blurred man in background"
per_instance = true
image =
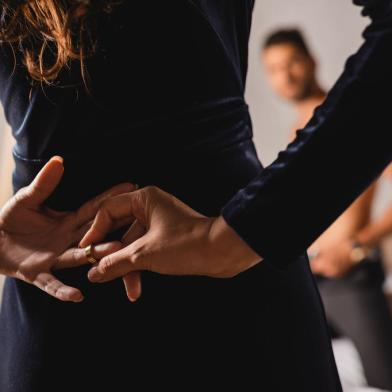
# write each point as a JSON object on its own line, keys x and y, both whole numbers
{"x": 346, "y": 258}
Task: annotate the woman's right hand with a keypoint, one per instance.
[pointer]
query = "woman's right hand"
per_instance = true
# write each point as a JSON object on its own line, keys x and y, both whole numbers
{"x": 35, "y": 240}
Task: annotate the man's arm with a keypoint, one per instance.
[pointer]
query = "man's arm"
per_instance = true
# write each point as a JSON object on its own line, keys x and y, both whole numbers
{"x": 376, "y": 231}
{"x": 343, "y": 148}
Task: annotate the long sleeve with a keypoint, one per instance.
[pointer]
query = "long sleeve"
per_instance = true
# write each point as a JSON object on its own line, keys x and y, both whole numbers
{"x": 340, "y": 152}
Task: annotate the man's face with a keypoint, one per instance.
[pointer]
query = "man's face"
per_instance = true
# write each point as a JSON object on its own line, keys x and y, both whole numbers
{"x": 290, "y": 72}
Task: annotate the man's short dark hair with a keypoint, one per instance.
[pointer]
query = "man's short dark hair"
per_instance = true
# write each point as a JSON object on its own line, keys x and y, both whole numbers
{"x": 287, "y": 36}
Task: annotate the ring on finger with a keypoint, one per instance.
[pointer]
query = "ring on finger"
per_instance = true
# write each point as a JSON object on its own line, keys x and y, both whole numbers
{"x": 89, "y": 254}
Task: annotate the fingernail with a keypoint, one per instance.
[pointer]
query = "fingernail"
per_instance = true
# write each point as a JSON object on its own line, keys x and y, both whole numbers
{"x": 94, "y": 275}
{"x": 58, "y": 158}
{"x": 79, "y": 300}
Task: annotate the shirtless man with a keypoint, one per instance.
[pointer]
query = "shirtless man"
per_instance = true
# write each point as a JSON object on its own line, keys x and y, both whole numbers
{"x": 346, "y": 258}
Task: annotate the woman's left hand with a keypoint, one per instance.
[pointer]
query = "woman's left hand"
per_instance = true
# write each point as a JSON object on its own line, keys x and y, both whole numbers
{"x": 35, "y": 240}
{"x": 166, "y": 237}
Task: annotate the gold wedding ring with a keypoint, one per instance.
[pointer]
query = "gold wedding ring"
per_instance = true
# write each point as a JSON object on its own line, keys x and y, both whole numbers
{"x": 88, "y": 250}
{"x": 89, "y": 254}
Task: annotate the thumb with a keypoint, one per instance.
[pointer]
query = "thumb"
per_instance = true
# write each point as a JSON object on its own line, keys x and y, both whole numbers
{"x": 45, "y": 182}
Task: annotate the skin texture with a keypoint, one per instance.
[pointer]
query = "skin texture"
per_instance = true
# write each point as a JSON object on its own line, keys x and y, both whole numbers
{"x": 167, "y": 237}
{"x": 292, "y": 75}
{"x": 35, "y": 240}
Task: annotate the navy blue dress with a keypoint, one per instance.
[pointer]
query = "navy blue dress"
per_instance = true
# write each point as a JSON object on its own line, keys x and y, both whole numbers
{"x": 166, "y": 107}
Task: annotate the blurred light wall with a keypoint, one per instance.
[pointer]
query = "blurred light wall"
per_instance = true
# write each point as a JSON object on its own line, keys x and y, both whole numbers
{"x": 6, "y": 166}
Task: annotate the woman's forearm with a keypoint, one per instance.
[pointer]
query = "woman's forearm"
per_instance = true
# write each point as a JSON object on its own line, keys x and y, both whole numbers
{"x": 229, "y": 244}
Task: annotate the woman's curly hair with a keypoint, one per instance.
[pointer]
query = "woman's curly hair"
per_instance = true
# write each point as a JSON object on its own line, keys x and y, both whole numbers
{"x": 51, "y": 33}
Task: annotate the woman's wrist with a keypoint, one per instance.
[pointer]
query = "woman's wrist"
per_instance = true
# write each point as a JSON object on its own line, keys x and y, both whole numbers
{"x": 229, "y": 244}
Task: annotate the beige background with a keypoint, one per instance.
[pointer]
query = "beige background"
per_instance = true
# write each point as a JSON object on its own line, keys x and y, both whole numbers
{"x": 333, "y": 28}
{"x": 6, "y": 165}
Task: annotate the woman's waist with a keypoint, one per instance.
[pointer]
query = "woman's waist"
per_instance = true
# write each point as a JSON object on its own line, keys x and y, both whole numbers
{"x": 203, "y": 179}
{"x": 208, "y": 126}
{"x": 209, "y": 148}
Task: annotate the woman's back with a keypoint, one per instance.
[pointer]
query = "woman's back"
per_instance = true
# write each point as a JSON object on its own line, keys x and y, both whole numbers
{"x": 166, "y": 108}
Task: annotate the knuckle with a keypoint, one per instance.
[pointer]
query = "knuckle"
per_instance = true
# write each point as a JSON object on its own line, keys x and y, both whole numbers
{"x": 107, "y": 264}
{"x": 26, "y": 272}
{"x": 149, "y": 188}
{"x": 104, "y": 206}
{"x": 136, "y": 257}
{"x": 22, "y": 194}
{"x": 152, "y": 190}
{"x": 51, "y": 287}
{"x": 75, "y": 255}
{"x": 139, "y": 259}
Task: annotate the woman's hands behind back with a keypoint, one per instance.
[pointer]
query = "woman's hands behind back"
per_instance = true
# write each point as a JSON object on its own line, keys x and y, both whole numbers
{"x": 35, "y": 240}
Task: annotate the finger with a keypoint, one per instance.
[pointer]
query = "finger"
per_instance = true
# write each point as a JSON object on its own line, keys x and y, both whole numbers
{"x": 76, "y": 257}
{"x": 90, "y": 209}
{"x": 81, "y": 231}
{"x": 136, "y": 231}
{"x": 125, "y": 222}
{"x": 112, "y": 210}
{"x": 119, "y": 264}
{"x": 52, "y": 286}
{"x": 133, "y": 285}
{"x": 45, "y": 182}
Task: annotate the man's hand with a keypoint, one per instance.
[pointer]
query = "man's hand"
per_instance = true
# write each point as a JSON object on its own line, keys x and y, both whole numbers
{"x": 35, "y": 240}
{"x": 166, "y": 237}
{"x": 333, "y": 261}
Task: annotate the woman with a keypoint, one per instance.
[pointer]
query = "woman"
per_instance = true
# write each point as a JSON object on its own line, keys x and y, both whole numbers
{"x": 158, "y": 102}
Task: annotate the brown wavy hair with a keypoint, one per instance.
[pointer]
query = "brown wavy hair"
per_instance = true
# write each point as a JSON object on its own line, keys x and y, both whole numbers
{"x": 52, "y": 33}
